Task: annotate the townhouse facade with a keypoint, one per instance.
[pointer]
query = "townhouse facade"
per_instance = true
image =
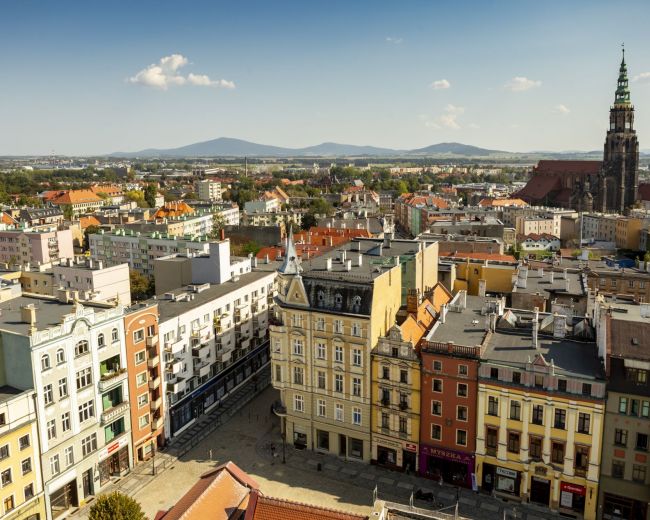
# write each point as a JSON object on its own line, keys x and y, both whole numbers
{"x": 35, "y": 246}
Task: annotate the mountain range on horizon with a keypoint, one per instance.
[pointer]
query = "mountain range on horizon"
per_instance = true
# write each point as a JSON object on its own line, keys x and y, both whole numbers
{"x": 231, "y": 147}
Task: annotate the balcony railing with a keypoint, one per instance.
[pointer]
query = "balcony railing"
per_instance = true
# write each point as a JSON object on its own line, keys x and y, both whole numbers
{"x": 110, "y": 379}
{"x": 403, "y": 406}
{"x": 113, "y": 413}
{"x": 492, "y": 452}
{"x": 154, "y": 383}
{"x": 156, "y": 403}
{"x": 152, "y": 341}
{"x": 157, "y": 423}
{"x": 153, "y": 362}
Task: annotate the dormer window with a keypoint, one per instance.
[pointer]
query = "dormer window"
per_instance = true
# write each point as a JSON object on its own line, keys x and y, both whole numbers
{"x": 338, "y": 299}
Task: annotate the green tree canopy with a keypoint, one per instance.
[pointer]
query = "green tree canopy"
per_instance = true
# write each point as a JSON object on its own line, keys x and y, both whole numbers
{"x": 116, "y": 506}
{"x": 142, "y": 287}
{"x": 150, "y": 192}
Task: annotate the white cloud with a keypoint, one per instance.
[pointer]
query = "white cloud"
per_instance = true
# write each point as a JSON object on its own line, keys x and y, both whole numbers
{"x": 520, "y": 83}
{"x": 643, "y": 77}
{"x": 448, "y": 119}
{"x": 562, "y": 109}
{"x": 165, "y": 74}
{"x": 473, "y": 126}
{"x": 440, "y": 84}
{"x": 393, "y": 40}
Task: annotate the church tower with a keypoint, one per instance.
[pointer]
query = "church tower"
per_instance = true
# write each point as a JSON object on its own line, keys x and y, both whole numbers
{"x": 620, "y": 176}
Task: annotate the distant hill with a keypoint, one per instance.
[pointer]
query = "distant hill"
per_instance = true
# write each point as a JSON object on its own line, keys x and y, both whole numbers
{"x": 455, "y": 149}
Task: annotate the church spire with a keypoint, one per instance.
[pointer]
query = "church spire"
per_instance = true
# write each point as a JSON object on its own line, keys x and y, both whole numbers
{"x": 622, "y": 89}
{"x": 291, "y": 263}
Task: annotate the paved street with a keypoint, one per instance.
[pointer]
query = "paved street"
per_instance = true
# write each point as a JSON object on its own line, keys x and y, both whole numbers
{"x": 246, "y": 439}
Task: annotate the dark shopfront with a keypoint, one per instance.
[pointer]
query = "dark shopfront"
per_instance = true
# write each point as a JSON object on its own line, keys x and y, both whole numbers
{"x": 616, "y": 507}
{"x": 194, "y": 405}
{"x": 453, "y": 467}
{"x": 500, "y": 480}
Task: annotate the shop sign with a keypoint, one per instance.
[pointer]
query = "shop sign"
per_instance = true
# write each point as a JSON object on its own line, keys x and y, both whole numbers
{"x": 566, "y": 499}
{"x": 448, "y": 454}
{"x": 540, "y": 470}
{"x": 573, "y": 488}
{"x": 506, "y": 472}
{"x": 474, "y": 482}
{"x": 408, "y": 446}
{"x": 111, "y": 448}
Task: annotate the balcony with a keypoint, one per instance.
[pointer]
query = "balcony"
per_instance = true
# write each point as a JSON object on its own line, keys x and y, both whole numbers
{"x": 202, "y": 369}
{"x": 403, "y": 406}
{"x": 175, "y": 366}
{"x": 580, "y": 472}
{"x": 174, "y": 347}
{"x": 201, "y": 352}
{"x": 111, "y": 379}
{"x": 224, "y": 356}
{"x": 157, "y": 423}
{"x": 153, "y": 361}
{"x": 385, "y": 402}
{"x": 152, "y": 341}
{"x": 113, "y": 413}
{"x": 154, "y": 383}
{"x": 176, "y": 385}
{"x": 156, "y": 403}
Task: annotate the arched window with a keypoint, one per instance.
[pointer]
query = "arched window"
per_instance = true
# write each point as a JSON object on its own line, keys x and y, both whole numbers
{"x": 60, "y": 356}
{"x": 45, "y": 362}
{"x": 338, "y": 299}
{"x": 81, "y": 348}
{"x": 114, "y": 335}
{"x": 100, "y": 341}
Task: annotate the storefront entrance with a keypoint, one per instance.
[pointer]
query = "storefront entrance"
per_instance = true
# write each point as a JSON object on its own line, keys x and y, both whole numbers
{"x": 63, "y": 499}
{"x": 622, "y": 508}
{"x": 114, "y": 465}
{"x": 572, "y": 497}
{"x": 507, "y": 481}
{"x": 87, "y": 483}
{"x": 386, "y": 456}
{"x": 408, "y": 460}
{"x": 540, "y": 491}
{"x": 452, "y": 467}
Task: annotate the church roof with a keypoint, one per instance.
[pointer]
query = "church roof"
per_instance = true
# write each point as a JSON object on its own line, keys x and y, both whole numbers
{"x": 550, "y": 167}
{"x": 622, "y": 89}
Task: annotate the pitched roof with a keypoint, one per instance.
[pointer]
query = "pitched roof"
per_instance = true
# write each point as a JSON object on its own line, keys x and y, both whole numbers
{"x": 7, "y": 219}
{"x": 173, "y": 209}
{"x": 85, "y": 222}
{"x": 479, "y": 255}
{"x": 108, "y": 189}
{"x": 537, "y": 237}
{"x": 75, "y": 197}
{"x": 546, "y": 167}
{"x": 489, "y": 202}
{"x": 268, "y": 508}
{"x": 644, "y": 191}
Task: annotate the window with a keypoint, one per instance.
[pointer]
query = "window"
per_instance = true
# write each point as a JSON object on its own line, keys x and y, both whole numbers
{"x": 385, "y": 396}
{"x": 356, "y": 330}
{"x": 642, "y": 441}
{"x": 29, "y": 491}
{"x": 620, "y": 437}
{"x": 622, "y": 405}
{"x": 24, "y": 442}
{"x": 101, "y": 342}
{"x": 636, "y": 375}
{"x": 638, "y": 473}
{"x": 143, "y": 421}
{"x": 462, "y": 370}
{"x": 338, "y": 326}
{"x": 493, "y": 406}
{"x": 557, "y": 453}
{"x": 321, "y": 380}
{"x": 338, "y": 354}
{"x": 618, "y": 469}
{"x": 494, "y": 373}
{"x": 26, "y": 466}
{"x": 634, "y": 407}
{"x": 48, "y": 395}
{"x": 114, "y": 335}
{"x": 461, "y": 390}
{"x": 141, "y": 379}
{"x": 298, "y": 403}
{"x": 69, "y": 456}
{"x": 338, "y": 383}
{"x": 437, "y": 385}
{"x": 436, "y": 408}
{"x": 86, "y": 411}
{"x": 138, "y": 336}
{"x": 645, "y": 408}
{"x": 461, "y": 413}
{"x": 516, "y": 378}
{"x": 297, "y": 376}
{"x": 561, "y": 385}
{"x": 583, "y": 422}
{"x": 81, "y": 348}
{"x": 356, "y": 357}
{"x": 437, "y": 366}
{"x": 356, "y": 416}
{"x": 139, "y": 357}
{"x": 54, "y": 465}
{"x": 356, "y": 386}
{"x": 321, "y": 351}
{"x": 321, "y": 408}
{"x": 436, "y": 432}
{"x": 385, "y": 421}
{"x": 515, "y": 410}
{"x": 403, "y": 425}
{"x": 6, "y": 477}
{"x": 143, "y": 399}
{"x": 539, "y": 381}
{"x": 581, "y": 458}
{"x": 338, "y": 412}
{"x": 9, "y": 503}
{"x": 63, "y": 388}
{"x": 320, "y": 324}
{"x": 560, "y": 419}
{"x": 535, "y": 448}
{"x": 297, "y": 347}
{"x": 461, "y": 437}
{"x": 278, "y": 373}
{"x": 60, "y": 356}
{"x": 538, "y": 414}
{"x": 385, "y": 372}
{"x": 65, "y": 422}
{"x": 4, "y": 451}
{"x": 89, "y": 444}
{"x": 492, "y": 439}
{"x": 586, "y": 389}
{"x": 84, "y": 378}
{"x": 513, "y": 442}
{"x": 45, "y": 362}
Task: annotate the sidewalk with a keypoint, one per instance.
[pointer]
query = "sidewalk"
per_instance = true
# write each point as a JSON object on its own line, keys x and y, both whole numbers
{"x": 396, "y": 486}
{"x": 143, "y": 474}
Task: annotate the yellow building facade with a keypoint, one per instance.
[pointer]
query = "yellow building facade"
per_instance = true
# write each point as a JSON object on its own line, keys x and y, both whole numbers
{"x": 477, "y": 278}
{"x": 20, "y": 474}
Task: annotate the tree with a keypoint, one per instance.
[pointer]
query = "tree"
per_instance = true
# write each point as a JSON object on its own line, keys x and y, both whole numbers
{"x": 142, "y": 287}
{"x": 218, "y": 223}
{"x": 136, "y": 196}
{"x": 308, "y": 221}
{"x": 150, "y": 192}
{"x": 87, "y": 232}
{"x": 116, "y": 506}
{"x": 68, "y": 212}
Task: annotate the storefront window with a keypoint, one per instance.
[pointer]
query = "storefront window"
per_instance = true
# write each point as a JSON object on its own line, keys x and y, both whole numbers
{"x": 356, "y": 448}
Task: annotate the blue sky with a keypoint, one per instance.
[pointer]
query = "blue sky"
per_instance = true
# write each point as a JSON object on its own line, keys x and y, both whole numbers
{"x": 87, "y": 77}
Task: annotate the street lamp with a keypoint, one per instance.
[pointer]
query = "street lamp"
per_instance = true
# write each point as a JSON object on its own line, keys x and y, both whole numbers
{"x": 281, "y": 411}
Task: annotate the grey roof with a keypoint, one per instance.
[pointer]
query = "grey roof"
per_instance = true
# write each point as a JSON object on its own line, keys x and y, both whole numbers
{"x": 465, "y": 328}
{"x": 8, "y": 392}
{"x": 168, "y": 309}
{"x": 339, "y": 297}
{"x": 49, "y": 313}
{"x": 542, "y": 284}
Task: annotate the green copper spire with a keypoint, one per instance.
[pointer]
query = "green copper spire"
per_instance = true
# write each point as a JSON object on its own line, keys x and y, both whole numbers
{"x": 622, "y": 90}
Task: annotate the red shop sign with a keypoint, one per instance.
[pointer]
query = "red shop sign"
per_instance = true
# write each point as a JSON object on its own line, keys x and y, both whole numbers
{"x": 573, "y": 488}
{"x": 410, "y": 447}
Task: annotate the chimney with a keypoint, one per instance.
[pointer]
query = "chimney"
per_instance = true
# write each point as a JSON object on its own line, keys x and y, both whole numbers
{"x": 462, "y": 299}
{"x": 552, "y": 276}
{"x": 359, "y": 259}
{"x": 222, "y": 234}
{"x": 566, "y": 284}
{"x": 254, "y": 261}
{"x": 328, "y": 264}
{"x": 493, "y": 321}
{"x": 387, "y": 240}
{"x": 535, "y": 327}
{"x": 443, "y": 312}
{"x": 348, "y": 265}
{"x": 412, "y": 301}
{"x": 559, "y": 325}
{"x": 28, "y": 314}
{"x": 565, "y": 273}
{"x": 266, "y": 258}
{"x": 358, "y": 243}
{"x": 540, "y": 272}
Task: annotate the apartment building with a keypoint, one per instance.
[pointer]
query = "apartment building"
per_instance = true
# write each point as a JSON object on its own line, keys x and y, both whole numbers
{"x": 193, "y": 225}
{"x": 81, "y": 201}
{"x": 20, "y": 462}
{"x": 93, "y": 281}
{"x": 209, "y": 190}
{"x": 273, "y": 218}
{"x": 599, "y": 227}
{"x": 540, "y": 411}
{"x": 628, "y": 232}
{"x": 612, "y": 281}
{"x": 450, "y": 359}
{"x": 139, "y": 250}
{"x": 624, "y": 340}
{"x": 35, "y": 246}
{"x": 73, "y": 355}
{"x": 331, "y": 310}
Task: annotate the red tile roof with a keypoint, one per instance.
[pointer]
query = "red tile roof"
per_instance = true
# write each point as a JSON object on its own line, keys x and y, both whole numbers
{"x": 75, "y": 197}
{"x": 268, "y": 508}
{"x": 644, "y": 191}
{"x": 547, "y": 167}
